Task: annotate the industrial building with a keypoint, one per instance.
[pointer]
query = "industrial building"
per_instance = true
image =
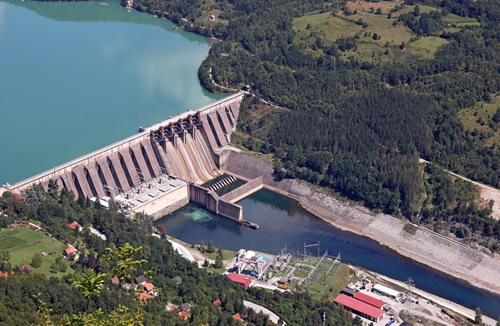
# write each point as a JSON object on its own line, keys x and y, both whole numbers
{"x": 242, "y": 280}
{"x": 360, "y": 308}
{"x": 369, "y": 300}
{"x": 384, "y": 290}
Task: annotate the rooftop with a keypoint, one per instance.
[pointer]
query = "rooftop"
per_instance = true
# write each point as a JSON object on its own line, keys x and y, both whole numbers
{"x": 359, "y": 306}
{"x": 370, "y": 300}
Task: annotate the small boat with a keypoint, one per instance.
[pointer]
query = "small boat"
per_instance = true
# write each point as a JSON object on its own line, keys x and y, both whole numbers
{"x": 103, "y": 4}
{"x": 175, "y": 27}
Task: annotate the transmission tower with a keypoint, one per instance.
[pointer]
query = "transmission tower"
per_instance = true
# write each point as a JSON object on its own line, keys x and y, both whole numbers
{"x": 409, "y": 283}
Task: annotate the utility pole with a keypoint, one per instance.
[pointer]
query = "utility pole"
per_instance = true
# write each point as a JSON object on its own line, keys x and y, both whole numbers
{"x": 410, "y": 284}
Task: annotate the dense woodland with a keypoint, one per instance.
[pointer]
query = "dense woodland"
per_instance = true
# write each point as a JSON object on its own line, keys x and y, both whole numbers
{"x": 356, "y": 126}
{"x": 18, "y": 306}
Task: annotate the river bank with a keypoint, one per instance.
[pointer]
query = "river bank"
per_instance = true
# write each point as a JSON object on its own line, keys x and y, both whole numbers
{"x": 445, "y": 255}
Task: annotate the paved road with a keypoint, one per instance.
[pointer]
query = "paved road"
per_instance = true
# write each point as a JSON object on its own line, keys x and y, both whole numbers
{"x": 272, "y": 316}
{"x": 183, "y": 251}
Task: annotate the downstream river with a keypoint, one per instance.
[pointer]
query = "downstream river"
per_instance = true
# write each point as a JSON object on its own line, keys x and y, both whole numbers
{"x": 283, "y": 222}
{"x": 76, "y": 77}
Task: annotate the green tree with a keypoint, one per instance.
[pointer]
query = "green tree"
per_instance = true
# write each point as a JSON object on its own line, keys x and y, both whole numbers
{"x": 36, "y": 261}
{"x": 89, "y": 283}
{"x": 4, "y": 255}
{"x": 210, "y": 247}
{"x": 479, "y": 316}
{"x": 124, "y": 261}
{"x": 218, "y": 261}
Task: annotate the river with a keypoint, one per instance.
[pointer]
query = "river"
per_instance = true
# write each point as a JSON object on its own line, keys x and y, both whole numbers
{"x": 283, "y": 222}
{"x": 77, "y": 76}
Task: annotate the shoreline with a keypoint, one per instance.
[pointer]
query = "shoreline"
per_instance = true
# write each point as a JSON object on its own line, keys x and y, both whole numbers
{"x": 405, "y": 252}
{"x": 442, "y": 302}
{"x": 446, "y": 256}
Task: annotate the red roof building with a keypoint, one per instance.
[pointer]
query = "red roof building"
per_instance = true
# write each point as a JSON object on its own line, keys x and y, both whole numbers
{"x": 217, "y": 303}
{"x": 18, "y": 196}
{"x": 360, "y": 308}
{"x": 149, "y": 287}
{"x": 145, "y": 296}
{"x": 75, "y": 226}
{"x": 369, "y": 300}
{"x": 237, "y": 317}
{"x": 242, "y": 280}
{"x": 69, "y": 251}
{"x": 184, "y": 315}
{"x": 4, "y": 274}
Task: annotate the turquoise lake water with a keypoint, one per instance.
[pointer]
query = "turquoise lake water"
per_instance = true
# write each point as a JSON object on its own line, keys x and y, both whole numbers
{"x": 75, "y": 77}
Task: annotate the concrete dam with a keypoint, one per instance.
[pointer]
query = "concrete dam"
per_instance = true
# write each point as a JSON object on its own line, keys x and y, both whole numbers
{"x": 157, "y": 170}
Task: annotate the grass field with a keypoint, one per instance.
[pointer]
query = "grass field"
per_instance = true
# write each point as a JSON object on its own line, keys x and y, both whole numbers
{"x": 457, "y": 21}
{"x": 331, "y": 27}
{"x": 23, "y": 243}
{"x": 478, "y": 118}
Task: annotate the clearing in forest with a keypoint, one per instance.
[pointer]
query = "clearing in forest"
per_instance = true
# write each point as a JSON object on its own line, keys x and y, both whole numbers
{"x": 377, "y": 37}
{"x": 483, "y": 121}
{"x": 22, "y": 243}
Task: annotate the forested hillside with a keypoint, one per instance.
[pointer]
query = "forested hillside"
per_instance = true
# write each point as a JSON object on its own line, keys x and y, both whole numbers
{"x": 21, "y": 291}
{"x": 366, "y": 101}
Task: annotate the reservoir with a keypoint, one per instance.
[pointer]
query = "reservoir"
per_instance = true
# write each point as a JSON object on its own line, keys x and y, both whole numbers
{"x": 283, "y": 222}
{"x": 77, "y": 76}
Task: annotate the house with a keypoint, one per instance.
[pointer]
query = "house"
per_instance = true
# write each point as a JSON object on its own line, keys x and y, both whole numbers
{"x": 18, "y": 196}
{"x": 22, "y": 223}
{"x": 143, "y": 296}
{"x": 115, "y": 281}
{"x": 242, "y": 280}
{"x": 4, "y": 274}
{"x": 75, "y": 226}
{"x": 238, "y": 318}
{"x": 169, "y": 307}
{"x": 149, "y": 288}
{"x": 127, "y": 286}
{"x": 217, "y": 303}
{"x": 177, "y": 279}
{"x": 68, "y": 252}
{"x": 184, "y": 315}
{"x": 211, "y": 18}
{"x": 185, "y": 307}
{"x": 140, "y": 280}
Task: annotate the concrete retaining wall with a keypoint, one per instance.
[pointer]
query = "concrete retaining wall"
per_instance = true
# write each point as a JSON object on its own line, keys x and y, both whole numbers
{"x": 204, "y": 197}
{"x": 244, "y": 190}
{"x": 230, "y": 210}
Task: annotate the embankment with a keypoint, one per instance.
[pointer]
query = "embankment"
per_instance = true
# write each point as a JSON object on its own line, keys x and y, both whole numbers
{"x": 424, "y": 246}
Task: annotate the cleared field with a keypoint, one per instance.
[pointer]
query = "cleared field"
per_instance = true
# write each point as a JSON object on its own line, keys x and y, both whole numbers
{"x": 23, "y": 243}
{"x": 457, "y": 21}
{"x": 376, "y": 36}
{"x": 478, "y": 118}
{"x": 428, "y": 46}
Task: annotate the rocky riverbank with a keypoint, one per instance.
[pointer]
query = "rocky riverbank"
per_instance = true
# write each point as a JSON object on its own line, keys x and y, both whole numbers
{"x": 439, "y": 252}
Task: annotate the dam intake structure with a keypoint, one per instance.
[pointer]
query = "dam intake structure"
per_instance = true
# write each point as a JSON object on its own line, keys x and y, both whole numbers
{"x": 159, "y": 169}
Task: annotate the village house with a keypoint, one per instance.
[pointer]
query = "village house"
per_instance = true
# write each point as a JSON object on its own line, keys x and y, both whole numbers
{"x": 75, "y": 226}
{"x": 70, "y": 252}
{"x": 140, "y": 280}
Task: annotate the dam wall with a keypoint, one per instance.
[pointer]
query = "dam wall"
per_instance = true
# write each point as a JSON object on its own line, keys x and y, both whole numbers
{"x": 245, "y": 190}
{"x": 182, "y": 147}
